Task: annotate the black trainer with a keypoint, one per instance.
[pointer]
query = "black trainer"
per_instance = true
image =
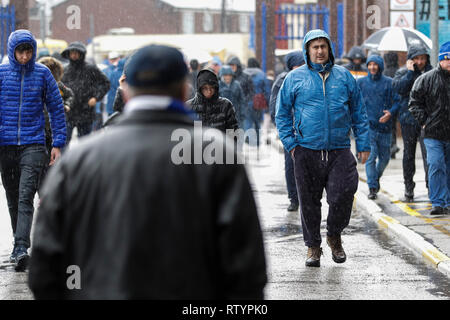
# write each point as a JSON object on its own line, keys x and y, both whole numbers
{"x": 372, "y": 194}
{"x": 409, "y": 195}
{"x": 22, "y": 259}
{"x": 293, "y": 207}
{"x": 437, "y": 211}
{"x": 12, "y": 257}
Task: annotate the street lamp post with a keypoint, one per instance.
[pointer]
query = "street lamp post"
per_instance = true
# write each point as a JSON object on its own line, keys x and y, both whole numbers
{"x": 434, "y": 30}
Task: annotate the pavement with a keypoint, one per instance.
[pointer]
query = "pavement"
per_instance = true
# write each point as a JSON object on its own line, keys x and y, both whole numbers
{"x": 409, "y": 223}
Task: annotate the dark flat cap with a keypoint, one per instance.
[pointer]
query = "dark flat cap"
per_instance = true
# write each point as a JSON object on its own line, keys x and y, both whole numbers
{"x": 155, "y": 65}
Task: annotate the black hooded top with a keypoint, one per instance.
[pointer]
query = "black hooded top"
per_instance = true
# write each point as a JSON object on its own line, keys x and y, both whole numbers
{"x": 216, "y": 112}
{"x": 244, "y": 79}
{"x": 391, "y": 64}
{"x": 86, "y": 81}
{"x": 404, "y": 80}
{"x": 356, "y": 53}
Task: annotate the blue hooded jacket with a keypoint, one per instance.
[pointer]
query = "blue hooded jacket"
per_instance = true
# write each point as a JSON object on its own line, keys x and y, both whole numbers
{"x": 24, "y": 89}
{"x": 324, "y": 110}
{"x": 378, "y": 95}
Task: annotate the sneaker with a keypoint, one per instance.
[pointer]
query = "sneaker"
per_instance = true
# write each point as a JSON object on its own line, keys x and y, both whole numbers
{"x": 12, "y": 257}
{"x": 313, "y": 257}
{"x": 372, "y": 194}
{"x": 337, "y": 251}
{"x": 409, "y": 195}
{"x": 293, "y": 207}
{"x": 437, "y": 211}
{"x": 22, "y": 259}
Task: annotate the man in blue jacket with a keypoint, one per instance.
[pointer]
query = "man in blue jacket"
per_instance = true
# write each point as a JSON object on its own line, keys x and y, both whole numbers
{"x": 327, "y": 104}
{"x": 25, "y": 86}
{"x": 379, "y": 97}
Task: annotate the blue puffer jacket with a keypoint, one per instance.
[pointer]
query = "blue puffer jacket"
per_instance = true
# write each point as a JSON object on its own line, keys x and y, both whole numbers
{"x": 324, "y": 111}
{"x": 378, "y": 95}
{"x": 24, "y": 89}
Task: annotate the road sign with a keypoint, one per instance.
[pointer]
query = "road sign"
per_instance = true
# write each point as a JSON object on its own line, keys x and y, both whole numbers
{"x": 403, "y": 19}
{"x": 402, "y": 4}
{"x": 423, "y": 19}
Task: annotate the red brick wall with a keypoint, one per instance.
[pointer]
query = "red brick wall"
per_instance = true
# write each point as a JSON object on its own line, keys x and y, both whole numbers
{"x": 145, "y": 16}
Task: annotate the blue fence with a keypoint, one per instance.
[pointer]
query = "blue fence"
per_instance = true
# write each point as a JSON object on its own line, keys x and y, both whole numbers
{"x": 295, "y": 20}
{"x": 7, "y": 26}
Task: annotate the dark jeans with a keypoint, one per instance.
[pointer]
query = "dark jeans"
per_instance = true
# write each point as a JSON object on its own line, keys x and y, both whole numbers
{"x": 290, "y": 177}
{"x": 84, "y": 128}
{"x": 334, "y": 171}
{"x": 21, "y": 171}
{"x": 411, "y": 134}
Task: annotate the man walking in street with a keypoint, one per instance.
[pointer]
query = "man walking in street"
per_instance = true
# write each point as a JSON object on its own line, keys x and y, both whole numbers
{"x": 327, "y": 104}
{"x": 381, "y": 106}
{"x": 136, "y": 224}
{"x": 293, "y": 60}
{"x": 247, "y": 87}
{"x": 89, "y": 85}
{"x": 418, "y": 63}
{"x": 25, "y": 86}
{"x": 430, "y": 106}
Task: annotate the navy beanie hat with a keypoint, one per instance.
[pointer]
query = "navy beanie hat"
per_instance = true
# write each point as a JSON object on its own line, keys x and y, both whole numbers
{"x": 294, "y": 58}
{"x": 444, "y": 52}
{"x": 155, "y": 65}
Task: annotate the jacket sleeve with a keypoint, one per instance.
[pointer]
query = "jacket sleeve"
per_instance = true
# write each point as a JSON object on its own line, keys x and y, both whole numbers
{"x": 241, "y": 247}
{"x": 231, "y": 117}
{"x": 283, "y": 114}
{"x": 55, "y": 108}
{"x": 273, "y": 97}
{"x": 360, "y": 122}
{"x": 118, "y": 101}
{"x": 403, "y": 81}
{"x": 68, "y": 96}
{"x": 46, "y": 277}
{"x": 102, "y": 84}
{"x": 395, "y": 102}
{"x": 417, "y": 101}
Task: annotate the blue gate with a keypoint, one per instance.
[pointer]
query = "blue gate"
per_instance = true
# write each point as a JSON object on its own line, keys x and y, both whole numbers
{"x": 293, "y": 21}
{"x": 7, "y": 26}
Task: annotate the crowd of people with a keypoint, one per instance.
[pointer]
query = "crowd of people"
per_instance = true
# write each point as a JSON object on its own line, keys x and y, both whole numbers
{"x": 209, "y": 211}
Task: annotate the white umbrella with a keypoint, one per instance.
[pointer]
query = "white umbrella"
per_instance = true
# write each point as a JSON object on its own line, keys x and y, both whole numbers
{"x": 396, "y": 39}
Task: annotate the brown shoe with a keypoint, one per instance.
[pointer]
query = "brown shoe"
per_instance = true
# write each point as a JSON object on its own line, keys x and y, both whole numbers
{"x": 337, "y": 251}
{"x": 313, "y": 257}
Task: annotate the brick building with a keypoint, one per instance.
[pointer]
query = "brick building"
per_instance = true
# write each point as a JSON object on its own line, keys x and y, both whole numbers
{"x": 148, "y": 17}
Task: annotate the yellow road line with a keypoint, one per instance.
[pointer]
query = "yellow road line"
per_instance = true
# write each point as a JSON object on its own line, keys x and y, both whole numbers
{"x": 413, "y": 212}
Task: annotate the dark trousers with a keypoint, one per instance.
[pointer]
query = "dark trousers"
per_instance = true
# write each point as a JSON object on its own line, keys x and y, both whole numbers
{"x": 290, "y": 177}
{"x": 335, "y": 171}
{"x": 411, "y": 134}
{"x": 84, "y": 128}
{"x": 21, "y": 171}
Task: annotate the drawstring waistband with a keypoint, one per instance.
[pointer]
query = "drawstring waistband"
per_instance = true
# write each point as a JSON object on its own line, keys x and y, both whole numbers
{"x": 326, "y": 155}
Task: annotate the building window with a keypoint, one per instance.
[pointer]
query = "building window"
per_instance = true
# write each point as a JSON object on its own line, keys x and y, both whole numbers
{"x": 244, "y": 23}
{"x": 207, "y": 22}
{"x": 188, "y": 22}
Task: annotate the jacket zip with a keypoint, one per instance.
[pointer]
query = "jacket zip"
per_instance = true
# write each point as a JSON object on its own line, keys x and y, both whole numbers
{"x": 20, "y": 105}
{"x": 324, "y": 79}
